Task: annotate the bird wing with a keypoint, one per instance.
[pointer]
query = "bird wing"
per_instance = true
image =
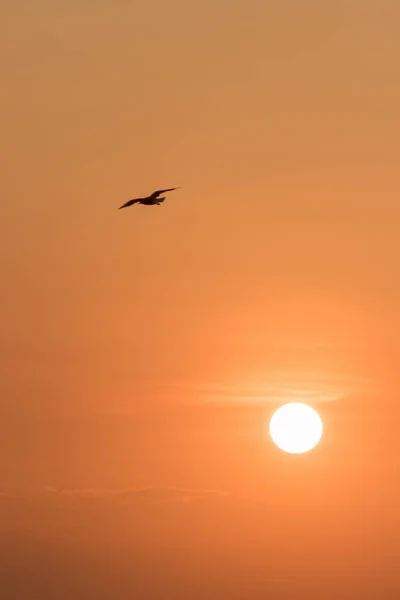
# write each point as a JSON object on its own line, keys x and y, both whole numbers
{"x": 158, "y": 192}
{"x": 130, "y": 202}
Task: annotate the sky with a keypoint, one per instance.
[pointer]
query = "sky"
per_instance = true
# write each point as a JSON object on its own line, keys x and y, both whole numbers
{"x": 144, "y": 351}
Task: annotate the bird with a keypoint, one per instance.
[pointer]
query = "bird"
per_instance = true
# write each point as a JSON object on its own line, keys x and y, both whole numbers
{"x": 151, "y": 200}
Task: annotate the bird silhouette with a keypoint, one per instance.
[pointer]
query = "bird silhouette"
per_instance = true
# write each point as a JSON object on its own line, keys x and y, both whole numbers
{"x": 151, "y": 200}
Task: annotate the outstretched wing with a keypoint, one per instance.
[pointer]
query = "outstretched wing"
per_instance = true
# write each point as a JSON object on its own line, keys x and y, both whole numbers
{"x": 130, "y": 202}
{"x": 158, "y": 192}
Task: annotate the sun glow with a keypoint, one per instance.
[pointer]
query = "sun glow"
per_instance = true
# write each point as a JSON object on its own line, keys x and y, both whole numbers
{"x": 295, "y": 428}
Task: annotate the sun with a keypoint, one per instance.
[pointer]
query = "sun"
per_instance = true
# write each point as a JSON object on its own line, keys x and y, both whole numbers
{"x": 295, "y": 428}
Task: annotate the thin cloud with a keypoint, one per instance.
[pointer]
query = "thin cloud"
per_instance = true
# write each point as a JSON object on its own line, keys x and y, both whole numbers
{"x": 144, "y": 495}
{"x": 278, "y": 387}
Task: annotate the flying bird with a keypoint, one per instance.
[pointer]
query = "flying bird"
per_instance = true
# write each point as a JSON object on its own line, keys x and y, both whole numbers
{"x": 154, "y": 198}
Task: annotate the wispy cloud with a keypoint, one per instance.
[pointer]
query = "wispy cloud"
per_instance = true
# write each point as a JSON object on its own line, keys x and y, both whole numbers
{"x": 277, "y": 387}
{"x": 147, "y": 495}
{"x": 142, "y": 495}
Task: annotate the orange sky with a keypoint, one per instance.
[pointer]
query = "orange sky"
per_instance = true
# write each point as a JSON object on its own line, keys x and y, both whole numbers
{"x": 148, "y": 347}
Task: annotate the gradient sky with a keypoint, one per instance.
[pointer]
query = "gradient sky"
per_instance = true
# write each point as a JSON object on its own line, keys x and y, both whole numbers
{"x": 144, "y": 351}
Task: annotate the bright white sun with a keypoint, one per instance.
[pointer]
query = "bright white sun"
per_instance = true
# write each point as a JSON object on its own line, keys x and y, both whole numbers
{"x": 295, "y": 428}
